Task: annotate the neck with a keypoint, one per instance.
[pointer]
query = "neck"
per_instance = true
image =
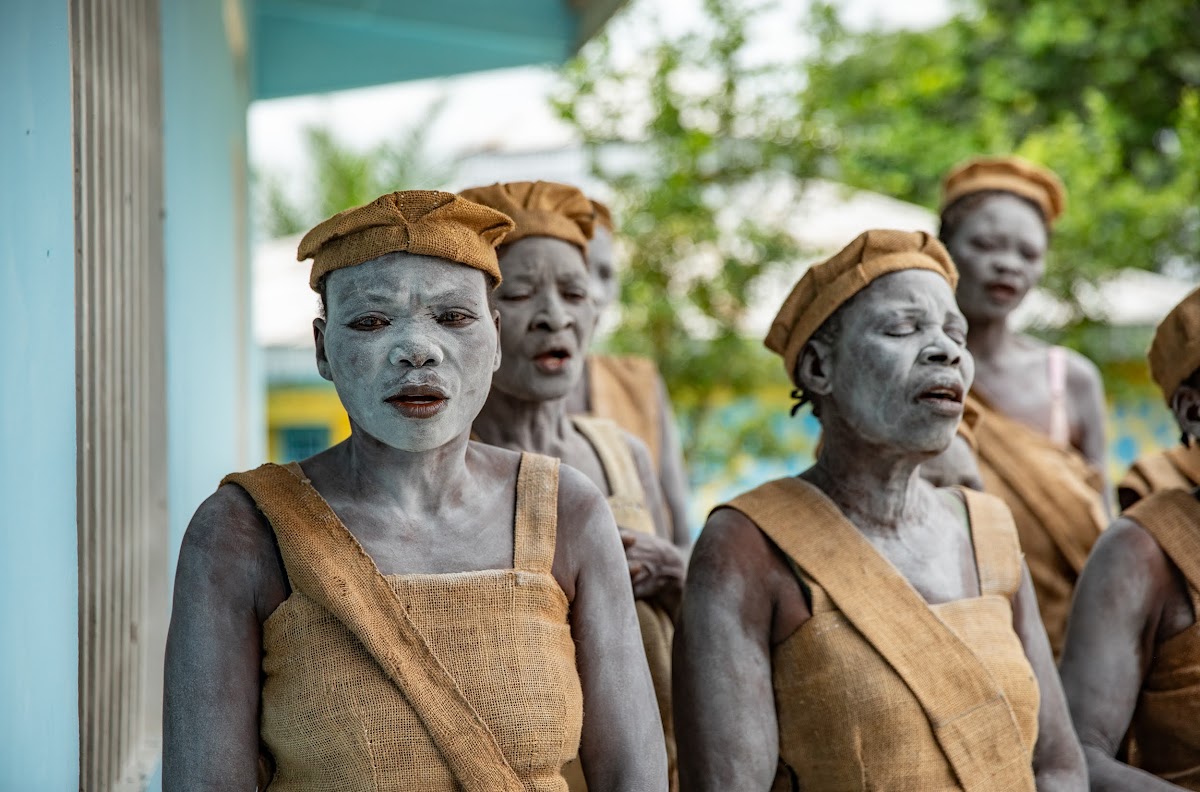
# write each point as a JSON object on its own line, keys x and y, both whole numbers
{"x": 988, "y": 338}
{"x": 370, "y": 470}
{"x": 875, "y": 487}
{"x": 522, "y": 425}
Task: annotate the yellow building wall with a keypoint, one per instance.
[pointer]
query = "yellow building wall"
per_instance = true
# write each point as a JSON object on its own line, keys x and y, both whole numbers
{"x": 308, "y": 406}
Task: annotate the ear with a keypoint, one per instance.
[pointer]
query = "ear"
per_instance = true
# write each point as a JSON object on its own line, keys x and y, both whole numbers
{"x": 496, "y": 322}
{"x": 319, "y": 339}
{"x": 814, "y": 369}
{"x": 1186, "y": 404}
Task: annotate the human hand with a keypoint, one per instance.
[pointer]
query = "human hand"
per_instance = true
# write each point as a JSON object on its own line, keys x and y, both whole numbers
{"x": 656, "y": 568}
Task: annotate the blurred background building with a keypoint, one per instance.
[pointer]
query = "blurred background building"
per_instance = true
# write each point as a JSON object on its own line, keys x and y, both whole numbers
{"x": 161, "y": 158}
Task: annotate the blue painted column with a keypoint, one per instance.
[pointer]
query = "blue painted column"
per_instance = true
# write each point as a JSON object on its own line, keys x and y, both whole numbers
{"x": 39, "y": 611}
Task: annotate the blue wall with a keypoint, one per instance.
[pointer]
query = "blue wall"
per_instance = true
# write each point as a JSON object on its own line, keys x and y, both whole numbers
{"x": 213, "y": 389}
{"x": 39, "y": 722}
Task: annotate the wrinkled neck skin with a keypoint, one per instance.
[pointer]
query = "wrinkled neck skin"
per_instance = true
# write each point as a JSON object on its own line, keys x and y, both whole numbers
{"x": 368, "y": 470}
{"x": 542, "y": 427}
{"x": 878, "y": 488}
{"x": 989, "y": 339}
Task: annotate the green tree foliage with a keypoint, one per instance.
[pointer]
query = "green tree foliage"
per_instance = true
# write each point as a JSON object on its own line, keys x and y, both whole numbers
{"x": 1104, "y": 93}
{"x": 343, "y": 176}
{"x": 713, "y": 125}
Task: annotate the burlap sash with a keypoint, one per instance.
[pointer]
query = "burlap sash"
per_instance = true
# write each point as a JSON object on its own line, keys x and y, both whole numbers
{"x": 627, "y": 499}
{"x": 1172, "y": 517}
{"x": 625, "y": 390}
{"x": 967, "y": 711}
{"x": 327, "y": 564}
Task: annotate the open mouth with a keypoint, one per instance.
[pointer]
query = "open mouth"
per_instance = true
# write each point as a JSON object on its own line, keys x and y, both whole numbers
{"x": 552, "y": 361}
{"x": 945, "y": 399}
{"x": 418, "y": 401}
{"x": 1002, "y": 292}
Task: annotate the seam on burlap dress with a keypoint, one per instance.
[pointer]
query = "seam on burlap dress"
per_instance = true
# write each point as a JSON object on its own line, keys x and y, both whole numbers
{"x": 495, "y": 643}
{"x": 881, "y": 691}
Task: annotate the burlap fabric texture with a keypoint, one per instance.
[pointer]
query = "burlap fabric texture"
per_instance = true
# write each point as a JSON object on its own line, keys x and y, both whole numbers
{"x": 879, "y": 690}
{"x": 827, "y": 286}
{"x": 603, "y": 214}
{"x": 463, "y": 681}
{"x": 424, "y": 222}
{"x": 627, "y": 499}
{"x": 625, "y": 390}
{"x": 1175, "y": 352}
{"x": 1175, "y": 468}
{"x": 1164, "y": 736}
{"x": 540, "y": 208}
{"x": 1056, "y": 501}
{"x": 1009, "y": 174}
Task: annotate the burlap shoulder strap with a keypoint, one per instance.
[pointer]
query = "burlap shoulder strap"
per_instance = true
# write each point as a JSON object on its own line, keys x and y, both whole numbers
{"x": 327, "y": 564}
{"x": 997, "y": 547}
{"x": 1172, "y": 516}
{"x": 625, "y": 389}
{"x": 628, "y": 498}
{"x": 535, "y": 532}
{"x": 970, "y": 718}
{"x": 1187, "y": 461}
{"x": 1159, "y": 472}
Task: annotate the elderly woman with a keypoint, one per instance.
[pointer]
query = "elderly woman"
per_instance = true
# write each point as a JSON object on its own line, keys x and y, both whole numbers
{"x": 406, "y": 610}
{"x": 1041, "y": 441}
{"x": 628, "y": 390}
{"x": 1131, "y": 668}
{"x": 854, "y": 628}
{"x": 546, "y": 321}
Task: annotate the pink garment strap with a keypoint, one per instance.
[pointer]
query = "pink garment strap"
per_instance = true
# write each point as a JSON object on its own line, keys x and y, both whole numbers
{"x": 1056, "y": 373}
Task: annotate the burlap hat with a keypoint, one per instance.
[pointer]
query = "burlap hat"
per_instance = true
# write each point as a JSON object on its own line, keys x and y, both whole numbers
{"x": 603, "y": 215}
{"x": 1011, "y": 174}
{"x": 425, "y": 222}
{"x": 1175, "y": 352}
{"x": 540, "y": 209}
{"x": 828, "y": 285}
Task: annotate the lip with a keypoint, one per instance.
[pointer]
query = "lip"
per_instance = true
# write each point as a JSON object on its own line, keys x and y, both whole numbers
{"x": 1002, "y": 291}
{"x": 943, "y": 397}
{"x": 418, "y": 400}
{"x": 553, "y": 360}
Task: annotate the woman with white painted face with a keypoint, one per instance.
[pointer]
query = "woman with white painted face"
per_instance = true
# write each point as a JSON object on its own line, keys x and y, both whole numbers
{"x": 546, "y": 321}
{"x": 407, "y": 610}
{"x": 853, "y": 627}
{"x": 1041, "y": 443}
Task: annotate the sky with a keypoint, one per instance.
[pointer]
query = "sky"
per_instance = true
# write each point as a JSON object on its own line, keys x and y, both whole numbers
{"x": 523, "y": 121}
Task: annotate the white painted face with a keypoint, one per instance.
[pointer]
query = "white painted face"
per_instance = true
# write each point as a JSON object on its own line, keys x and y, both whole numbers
{"x": 546, "y": 318}
{"x": 410, "y": 344}
{"x": 1000, "y": 251}
{"x": 602, "y": 265}
{"x": 899, "y": 367}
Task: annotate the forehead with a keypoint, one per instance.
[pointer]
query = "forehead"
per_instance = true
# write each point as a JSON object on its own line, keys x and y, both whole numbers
{"x": 1006, "y": 213}
{"x": 906, "y": 291}
{"x": 541, "y": 256}
{"x": 406, "y": 276}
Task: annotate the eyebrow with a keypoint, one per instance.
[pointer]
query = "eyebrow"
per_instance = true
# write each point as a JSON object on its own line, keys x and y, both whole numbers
{"x": 449, "y": 296}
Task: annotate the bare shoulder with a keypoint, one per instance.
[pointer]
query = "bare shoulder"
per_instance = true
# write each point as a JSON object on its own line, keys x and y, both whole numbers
{"x": 731, "y": 548}
{"x": 587, "y": 536}
{"x": 641, "y": 457}
{"x": 1127, "y": 551}
{"x": 1083, "y": 376}
{"x": 229, "y": 544}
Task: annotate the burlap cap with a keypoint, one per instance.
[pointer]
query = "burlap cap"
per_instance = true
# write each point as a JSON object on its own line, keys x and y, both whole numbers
{"x": 828, "y": 285}
{"x": 603, "y": 215}
{"x": 425, "y": 222}
{"x": 1011, "y": 174}
{"x": 1175, "y": 352}
{"x": 540, "y": 209}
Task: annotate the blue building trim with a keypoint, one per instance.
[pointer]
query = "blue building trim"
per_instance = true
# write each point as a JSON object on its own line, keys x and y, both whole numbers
{"x": 39, "y": 563}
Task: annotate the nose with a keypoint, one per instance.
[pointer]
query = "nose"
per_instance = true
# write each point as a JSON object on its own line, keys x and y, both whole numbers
{"x": 415, "y": 350}
{"x": 551, "y": 314}
{"x": 1006, "y": 262}
{"x": 942, "y": 350}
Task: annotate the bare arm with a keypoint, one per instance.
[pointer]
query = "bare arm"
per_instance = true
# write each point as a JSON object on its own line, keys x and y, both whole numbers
{"x": 1086, "y": 390}
{"x": 224, "y": 589}
{"x": 1058, "y": 762}
{"x": 724, "y": 699}
{"x": 672, "y": 472}
{"x": 656, "y": 565}
{"x": 1110, "y": 640}
{"x": 622, "y": 746}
